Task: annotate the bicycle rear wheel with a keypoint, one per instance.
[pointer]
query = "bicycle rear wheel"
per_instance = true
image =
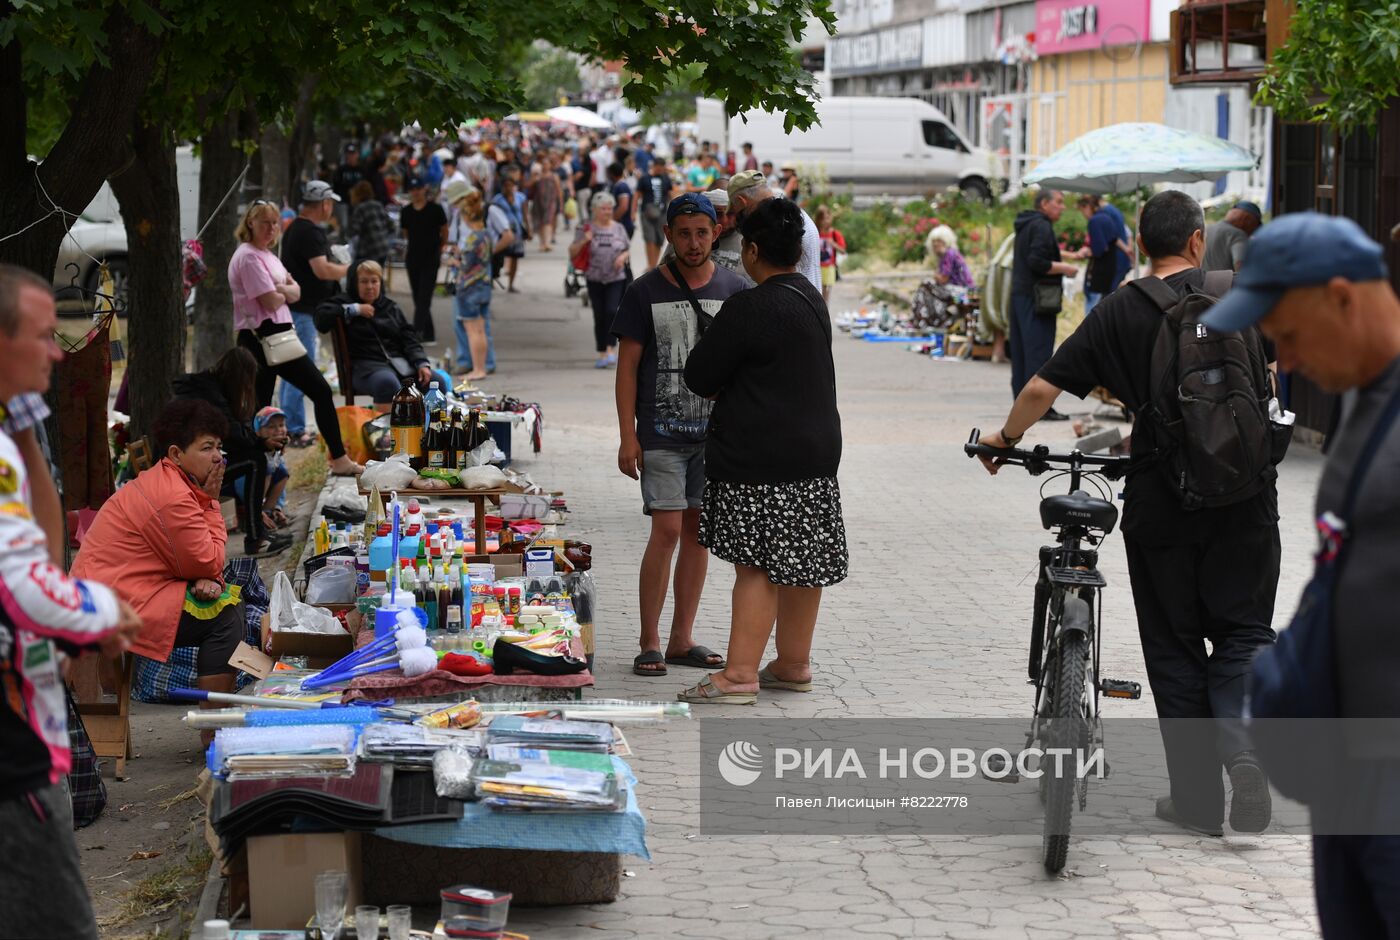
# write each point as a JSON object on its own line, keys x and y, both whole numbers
{"x": 1068, "y": 728}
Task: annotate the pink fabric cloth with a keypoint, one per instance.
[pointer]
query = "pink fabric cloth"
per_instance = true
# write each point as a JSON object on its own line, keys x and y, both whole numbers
{"x": 251, "y": 273}
{"x": 438, "y": 682}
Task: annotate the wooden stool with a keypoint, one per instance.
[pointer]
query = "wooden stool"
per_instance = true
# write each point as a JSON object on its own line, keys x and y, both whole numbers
{"x": 108, "y": 723}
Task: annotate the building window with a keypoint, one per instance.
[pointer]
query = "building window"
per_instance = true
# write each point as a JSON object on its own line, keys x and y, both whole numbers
{"x": 1218, "y": 41}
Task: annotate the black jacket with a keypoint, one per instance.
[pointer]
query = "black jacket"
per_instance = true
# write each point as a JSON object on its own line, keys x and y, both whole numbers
{"x": 1036, "y": 249}
{"x": 388, "y": 331}
{"x": 242, "y": 442}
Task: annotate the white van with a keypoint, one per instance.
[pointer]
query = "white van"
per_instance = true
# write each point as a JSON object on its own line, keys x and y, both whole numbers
{"x": 872, "y": 146}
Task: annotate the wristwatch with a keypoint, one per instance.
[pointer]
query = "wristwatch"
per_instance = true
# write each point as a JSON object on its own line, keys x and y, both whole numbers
{"x": 1010, "y": 441}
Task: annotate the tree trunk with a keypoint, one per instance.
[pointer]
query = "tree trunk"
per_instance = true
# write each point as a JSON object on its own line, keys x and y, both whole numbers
{"x": 276, "y": 160}
{"x": 149, "y": 195}
{"x": 84, "y": 155}
{"x": 221, "y": 162}
{"x": 301, "y": 141}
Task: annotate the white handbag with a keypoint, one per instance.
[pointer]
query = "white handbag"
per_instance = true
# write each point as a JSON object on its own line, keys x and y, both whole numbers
{"x": 281, "y": 347}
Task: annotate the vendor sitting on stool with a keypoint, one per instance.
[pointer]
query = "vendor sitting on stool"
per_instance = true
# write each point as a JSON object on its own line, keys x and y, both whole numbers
{"x": 159, "y": 542}
{"x": 377, "y": 334}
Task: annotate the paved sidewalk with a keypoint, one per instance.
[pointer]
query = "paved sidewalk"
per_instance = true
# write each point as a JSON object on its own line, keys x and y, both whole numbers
{"x": 932, "y": 622}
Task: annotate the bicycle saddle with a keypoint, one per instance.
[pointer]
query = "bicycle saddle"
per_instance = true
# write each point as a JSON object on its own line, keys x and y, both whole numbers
{"x": 1078, "y": 508}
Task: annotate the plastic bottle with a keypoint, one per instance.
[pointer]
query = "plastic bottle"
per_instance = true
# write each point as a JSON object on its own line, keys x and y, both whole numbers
{"x": 216, "y": 930}
{"x": 433, "y": 400}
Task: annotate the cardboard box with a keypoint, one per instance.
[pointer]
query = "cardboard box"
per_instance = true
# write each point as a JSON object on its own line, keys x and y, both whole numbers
{"x": 282, "y": 872}
{"x": 509, "y": 565}
{"x": 321, "y": 648}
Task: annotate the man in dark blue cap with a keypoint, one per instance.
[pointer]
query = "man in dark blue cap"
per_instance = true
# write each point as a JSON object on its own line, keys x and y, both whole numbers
{"x": 1199, "y": 575}
{"x": 663, "y": 425}
{"x": 1317, "y": 286}
{"x": 1226, "y": 240}
{"x": 424, "y": 225}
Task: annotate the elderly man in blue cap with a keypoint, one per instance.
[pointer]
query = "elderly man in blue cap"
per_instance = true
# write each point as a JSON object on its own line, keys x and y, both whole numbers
{"x": 1317, "y": 286}
{"x": 1226, "y": 240}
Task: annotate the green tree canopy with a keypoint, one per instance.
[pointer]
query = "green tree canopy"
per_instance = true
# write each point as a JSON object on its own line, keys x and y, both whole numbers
{"x": 1340, "y": 65}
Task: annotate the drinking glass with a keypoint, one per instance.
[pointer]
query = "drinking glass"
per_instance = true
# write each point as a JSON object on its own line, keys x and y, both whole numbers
{"x": 331, "y": 888}
{"x": 400, "y": 921}
{"x": 366, "y": 922}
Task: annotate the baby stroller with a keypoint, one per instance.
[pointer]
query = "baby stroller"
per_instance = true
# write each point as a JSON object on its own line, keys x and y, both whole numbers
{"x": 574, "y": 283}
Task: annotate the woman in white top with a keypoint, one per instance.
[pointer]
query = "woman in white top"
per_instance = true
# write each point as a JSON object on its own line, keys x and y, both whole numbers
{"x": 261, "y": 290}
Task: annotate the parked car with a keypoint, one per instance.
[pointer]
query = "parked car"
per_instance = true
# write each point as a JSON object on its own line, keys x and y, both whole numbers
{"x": 98, "y": 236}
{"x": 873, "y": 146}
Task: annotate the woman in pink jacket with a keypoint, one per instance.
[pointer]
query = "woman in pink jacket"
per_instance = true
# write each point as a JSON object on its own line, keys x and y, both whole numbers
{"x": 159, "y": 542}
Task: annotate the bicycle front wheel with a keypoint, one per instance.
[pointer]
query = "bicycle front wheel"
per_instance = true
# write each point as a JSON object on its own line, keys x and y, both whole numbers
{"x": 1068, "y": 728}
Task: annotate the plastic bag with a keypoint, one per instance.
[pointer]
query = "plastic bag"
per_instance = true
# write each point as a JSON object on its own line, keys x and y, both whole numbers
{"x": 452, "y": 774}
{"x": 352, "y": 421}
{"x": 396, "y": 473}
{"x": 482, "y": 454}
{"x": 289, "y": 615}
{"x": 333, "y": 584}
{"x": 584, "y": 593}
{"x": 481, "y": 478}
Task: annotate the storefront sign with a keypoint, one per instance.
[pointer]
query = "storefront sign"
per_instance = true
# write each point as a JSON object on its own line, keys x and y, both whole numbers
{"x": 1076, "y": 25}
{"x": 887, "y": 50}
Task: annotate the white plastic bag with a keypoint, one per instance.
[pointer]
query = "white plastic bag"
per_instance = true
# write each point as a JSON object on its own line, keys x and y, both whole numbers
{"x": 333, "y": 584}
{"x": 393, "y": 474}
{"x": 482, "y": 478}
{"x": 289, "y": 615}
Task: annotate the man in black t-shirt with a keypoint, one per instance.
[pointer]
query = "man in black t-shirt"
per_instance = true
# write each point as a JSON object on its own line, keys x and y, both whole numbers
{"x": 1205, "y": 575}
{"x": 663, "y": 424}
{"x": 306, "y": 254}
{"x": 653, "y": 195}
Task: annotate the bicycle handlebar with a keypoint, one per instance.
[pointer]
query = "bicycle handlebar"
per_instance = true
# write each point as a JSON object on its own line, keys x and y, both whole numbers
{"x": 1038, "y": 460}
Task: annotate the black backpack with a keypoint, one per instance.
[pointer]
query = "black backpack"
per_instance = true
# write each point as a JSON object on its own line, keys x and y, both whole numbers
{"x": 1208, "y": 403}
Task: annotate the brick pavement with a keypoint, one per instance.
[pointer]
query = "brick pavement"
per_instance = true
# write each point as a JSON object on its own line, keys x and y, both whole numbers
{"x": 930, "y": 623}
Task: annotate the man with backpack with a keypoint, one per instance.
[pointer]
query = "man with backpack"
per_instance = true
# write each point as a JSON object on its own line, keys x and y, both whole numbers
{"x": 1317, "y": 285}
{"x": 1200, "y": 516}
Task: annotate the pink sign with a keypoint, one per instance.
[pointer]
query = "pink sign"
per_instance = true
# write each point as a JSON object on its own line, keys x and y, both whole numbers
{"x": 1077, "y": 25}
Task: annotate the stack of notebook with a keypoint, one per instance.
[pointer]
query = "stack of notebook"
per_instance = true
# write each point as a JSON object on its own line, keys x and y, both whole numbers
{"x": 595, "y": 736}
{"x": 296, "y": 750}
{"x": 551, "y": 784}
{"x": 414, "y": 746}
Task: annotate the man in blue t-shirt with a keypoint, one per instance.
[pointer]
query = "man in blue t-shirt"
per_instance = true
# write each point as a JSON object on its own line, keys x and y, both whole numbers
{"x": 663, "y": 425}
{"x": 623, "y": 208}
{"x": 1107, "y": 250}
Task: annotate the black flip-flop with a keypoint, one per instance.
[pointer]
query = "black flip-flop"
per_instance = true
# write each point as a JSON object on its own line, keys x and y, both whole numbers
{"x": 646, "y": 657}
{"x": 697, "y": 656}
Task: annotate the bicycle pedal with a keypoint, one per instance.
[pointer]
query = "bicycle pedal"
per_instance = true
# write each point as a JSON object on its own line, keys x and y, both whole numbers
{"x": 1120, "y": 688}
{"x": 995, "y": 762}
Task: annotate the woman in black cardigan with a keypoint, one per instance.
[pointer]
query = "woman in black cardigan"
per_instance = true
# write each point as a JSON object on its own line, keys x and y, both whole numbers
{"x": 377, "y": 333}
{"x": 772, "y": 505}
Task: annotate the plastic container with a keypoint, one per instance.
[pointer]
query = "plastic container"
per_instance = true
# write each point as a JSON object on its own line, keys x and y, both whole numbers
{"x": 474, "y": 912}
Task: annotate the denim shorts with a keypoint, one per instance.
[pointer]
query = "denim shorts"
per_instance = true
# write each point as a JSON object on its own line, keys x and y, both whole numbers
{"x": 673, "y": 480}
{"x": 474, "y": 302}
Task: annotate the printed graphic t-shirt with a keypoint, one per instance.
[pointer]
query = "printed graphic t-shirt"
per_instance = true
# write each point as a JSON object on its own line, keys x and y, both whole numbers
{"x": 655, "y": 313}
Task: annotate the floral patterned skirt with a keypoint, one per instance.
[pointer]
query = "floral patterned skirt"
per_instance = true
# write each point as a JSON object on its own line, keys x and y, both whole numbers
{"x": 793, "y": 531}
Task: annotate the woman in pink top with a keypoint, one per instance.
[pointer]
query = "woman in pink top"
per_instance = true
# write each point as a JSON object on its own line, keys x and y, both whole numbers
{"x": 159, "y": 542}
{"x": 261, "y": 290}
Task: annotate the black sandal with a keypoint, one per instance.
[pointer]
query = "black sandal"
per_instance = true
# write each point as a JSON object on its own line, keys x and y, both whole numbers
{"x": 649, "y": 657}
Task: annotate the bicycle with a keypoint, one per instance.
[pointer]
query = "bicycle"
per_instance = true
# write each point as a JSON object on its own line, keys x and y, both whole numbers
{"x": 1066, "y": 629}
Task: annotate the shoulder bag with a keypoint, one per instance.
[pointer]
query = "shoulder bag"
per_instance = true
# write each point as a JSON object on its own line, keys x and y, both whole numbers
{"x": 400, "y": 364}
{"x": 281, "y": 346}
{"x": 1293, "y": 694}
{"x": 703, "y": 319}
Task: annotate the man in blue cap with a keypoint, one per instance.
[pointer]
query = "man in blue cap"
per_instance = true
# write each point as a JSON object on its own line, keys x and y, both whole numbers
{"x": 663, "y": 425}
{"x": 1226, "y": 240}
{"x": 1203, "y": 579}
{"x": 1317, "y": 286}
